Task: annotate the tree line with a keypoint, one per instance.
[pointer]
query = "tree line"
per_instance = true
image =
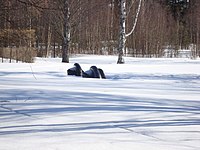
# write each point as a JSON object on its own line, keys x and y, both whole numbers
{"x": 48, "y": 28}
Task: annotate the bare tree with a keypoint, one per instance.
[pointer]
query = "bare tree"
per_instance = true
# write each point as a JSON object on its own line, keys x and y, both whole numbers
{"x": 123, "y": 35}
{"x": 66, "y": 33}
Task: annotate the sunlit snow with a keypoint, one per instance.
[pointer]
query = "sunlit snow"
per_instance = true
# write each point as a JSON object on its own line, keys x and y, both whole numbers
{"x": 144, "y": 104}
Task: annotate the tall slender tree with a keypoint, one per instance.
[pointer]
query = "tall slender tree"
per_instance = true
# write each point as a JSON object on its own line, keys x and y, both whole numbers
{"x": 66, "y": 33}
{"x": 123, "y": 35}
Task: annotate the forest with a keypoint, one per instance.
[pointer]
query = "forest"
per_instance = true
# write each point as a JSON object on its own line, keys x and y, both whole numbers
{"x": 49, "y": 28}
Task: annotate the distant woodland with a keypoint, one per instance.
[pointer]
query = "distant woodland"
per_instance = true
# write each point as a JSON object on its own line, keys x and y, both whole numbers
{"x": 30, "y": 28}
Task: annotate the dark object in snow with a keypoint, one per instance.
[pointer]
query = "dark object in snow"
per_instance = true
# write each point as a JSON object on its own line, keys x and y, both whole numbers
{"x": 76, "y": 70}
{"x": 102, "y": 75}
{"x": 93, "y": 72}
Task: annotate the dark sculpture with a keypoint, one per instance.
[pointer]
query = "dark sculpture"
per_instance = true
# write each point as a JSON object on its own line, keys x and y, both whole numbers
{"x": 76, "y": 70}
{"x": 93, "y": 72}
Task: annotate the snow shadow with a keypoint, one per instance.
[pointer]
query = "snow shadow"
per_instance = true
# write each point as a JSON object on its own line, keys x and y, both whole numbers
{"x": 126, "y": 125}
{"x": 30, "y": 104}
{"x": 184, "y": 77}
{"x": 28, "y": 73}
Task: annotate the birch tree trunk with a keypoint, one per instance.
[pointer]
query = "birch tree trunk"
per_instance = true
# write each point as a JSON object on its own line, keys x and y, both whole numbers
{"x": 66, "y": 33}
{"x": 122, "y": 35}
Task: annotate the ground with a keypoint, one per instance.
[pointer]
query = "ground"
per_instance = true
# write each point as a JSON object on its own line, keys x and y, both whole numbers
{"x": 145, "y": 104}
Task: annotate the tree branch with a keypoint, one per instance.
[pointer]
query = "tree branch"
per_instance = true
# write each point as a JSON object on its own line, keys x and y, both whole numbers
{"x": 136, "y": 19}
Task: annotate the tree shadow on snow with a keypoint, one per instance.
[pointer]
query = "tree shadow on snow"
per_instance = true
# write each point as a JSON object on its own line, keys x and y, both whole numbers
{"x": 40, "y": 103}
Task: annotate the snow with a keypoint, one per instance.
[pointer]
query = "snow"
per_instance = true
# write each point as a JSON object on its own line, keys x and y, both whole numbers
{"x": 145, "y": 104}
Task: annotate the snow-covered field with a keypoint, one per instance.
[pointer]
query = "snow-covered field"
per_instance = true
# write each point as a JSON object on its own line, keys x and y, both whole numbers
{"x": 145, "y": 104}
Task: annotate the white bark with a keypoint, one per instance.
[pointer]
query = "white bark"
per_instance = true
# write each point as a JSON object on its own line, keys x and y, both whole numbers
{"x": 66, "y": 33}
{"x": 123, "y": 35}
{"x": 136, "y": 19}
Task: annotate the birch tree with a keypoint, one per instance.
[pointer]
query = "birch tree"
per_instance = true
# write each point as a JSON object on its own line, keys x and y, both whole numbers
{"x": 123, "y": 35}
{"x": 66, "y": 33}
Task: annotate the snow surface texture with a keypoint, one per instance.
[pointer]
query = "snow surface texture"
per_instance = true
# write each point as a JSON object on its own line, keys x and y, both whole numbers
{"x": 145, "y": 104}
